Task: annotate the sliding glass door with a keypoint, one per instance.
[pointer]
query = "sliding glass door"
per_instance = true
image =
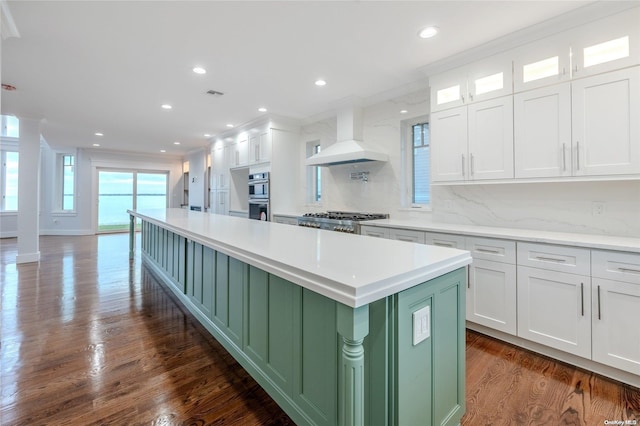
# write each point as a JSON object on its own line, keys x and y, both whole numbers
{"x": 120, "y": 190}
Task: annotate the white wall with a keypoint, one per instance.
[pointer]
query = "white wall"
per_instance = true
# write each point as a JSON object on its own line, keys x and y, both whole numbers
{"x": 197, "y": 177}
{"x": 383, "y": 130}
{"x": 83, "y": 220}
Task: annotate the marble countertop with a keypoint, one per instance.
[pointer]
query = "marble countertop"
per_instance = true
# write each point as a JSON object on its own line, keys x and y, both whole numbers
{"x": 604, "y": 242}
{"x": 352, "y": 269}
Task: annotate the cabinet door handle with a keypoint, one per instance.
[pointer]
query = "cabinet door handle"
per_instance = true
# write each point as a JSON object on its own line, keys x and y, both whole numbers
{"x": 550, "y": 259}
{"x": 468, "y": 277}
{"x": 470, "y": 97}
{"x": 472, "y": 164}
{"x": 629, "y": 270}
{"x": 564, "y": 157}
{"x": 439, "y": 244}
{"x": 483, "y": 250}
{"x": 599, "y": 316}
{"x": 462, "y": 97}
{"x": 582, "y": 298}
{"x": 463, "y": 174}
{"x": 578, "y": 154}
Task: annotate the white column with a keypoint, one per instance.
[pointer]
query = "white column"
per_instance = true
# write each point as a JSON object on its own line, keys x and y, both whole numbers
{"x": 28, "y": 191}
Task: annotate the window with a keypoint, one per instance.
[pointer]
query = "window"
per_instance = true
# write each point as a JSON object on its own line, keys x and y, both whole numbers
{"x": 314, "y": 175}
{"x": 421, "y": 164}
{"x": 10, "y": 127}
{"x": 541, "y": 69}
{"x": 606, "y": 52}
{"x": 317, "y": 192}
{"x": 67, "y": 187}
{"x": 9, "y": 181}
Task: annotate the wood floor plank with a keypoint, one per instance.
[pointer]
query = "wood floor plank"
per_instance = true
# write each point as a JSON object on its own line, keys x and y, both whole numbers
{"x": 87, "y": 337}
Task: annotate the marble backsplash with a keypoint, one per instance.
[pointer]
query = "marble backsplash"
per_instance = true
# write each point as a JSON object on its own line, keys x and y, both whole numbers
{"x": 557, "y": 206}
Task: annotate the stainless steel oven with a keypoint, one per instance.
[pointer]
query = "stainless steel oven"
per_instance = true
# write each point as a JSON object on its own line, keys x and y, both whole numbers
{"x": 259, "y": 186}
{"x": 259, "y": 209}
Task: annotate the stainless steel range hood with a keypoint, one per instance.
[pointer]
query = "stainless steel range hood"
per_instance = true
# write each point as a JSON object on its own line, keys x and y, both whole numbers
{"x": 349, "y": 148}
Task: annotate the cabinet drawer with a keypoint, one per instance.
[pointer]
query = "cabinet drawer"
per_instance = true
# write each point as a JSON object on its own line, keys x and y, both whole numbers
{"x": 492, "y": 249}
{"x": 555, "y": 258}
{"x": 374, "y": 231}
{"x": 616, "y": 266}
{"x": 407, "y": 235}
{"x": 445, "y": 240}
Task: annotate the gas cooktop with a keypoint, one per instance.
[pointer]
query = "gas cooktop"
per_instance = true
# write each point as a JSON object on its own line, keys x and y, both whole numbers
{"x": 338, "y": 221}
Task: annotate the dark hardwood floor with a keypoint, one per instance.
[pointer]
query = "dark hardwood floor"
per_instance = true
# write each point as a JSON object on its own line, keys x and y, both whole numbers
{"x": 89, "y": 338}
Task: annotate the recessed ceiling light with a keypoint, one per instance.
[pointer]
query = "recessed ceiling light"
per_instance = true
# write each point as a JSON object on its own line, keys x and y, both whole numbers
{"x": 207, "y": 135}
{"x": 176, "y": 143}
{"x": 163, "y": 150}
{"x": 403, "y": 111}
{"x": 262, "y": 109}
{"x": 229, "y": 125}
{"x": 166, "y": 106}
{"x": 98, "y": 134}
{"x": 428, "y": 32}
{"x": 96, "y": 144}
{"x": 321, "y": 83}
{"x": 199, "y": 70}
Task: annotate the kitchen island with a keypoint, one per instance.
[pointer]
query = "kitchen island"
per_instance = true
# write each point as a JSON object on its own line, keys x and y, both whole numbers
{"x": 338, "y": 329}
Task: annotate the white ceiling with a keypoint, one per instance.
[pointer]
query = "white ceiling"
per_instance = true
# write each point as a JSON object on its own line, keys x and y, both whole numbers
{"x": 107, "y": 66}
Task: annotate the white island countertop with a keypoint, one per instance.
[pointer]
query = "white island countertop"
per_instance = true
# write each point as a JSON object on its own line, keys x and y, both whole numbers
{"x": 352, "y": 269}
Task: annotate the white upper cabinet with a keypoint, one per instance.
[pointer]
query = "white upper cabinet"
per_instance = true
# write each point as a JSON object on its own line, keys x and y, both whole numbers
{"x": 491, "y": 139}
{"x": 474, "y": 142}
{"x": 606, "y": 124}
{"x": 479, "y": 81}
{"x": 260, "y": 147}
{"x": 542, "y": 63}
{"x": 609, "y": 44}
{"x": 239, "y": 151}
{"x": 542, "y": 123}
{"x": 220, "y": 165}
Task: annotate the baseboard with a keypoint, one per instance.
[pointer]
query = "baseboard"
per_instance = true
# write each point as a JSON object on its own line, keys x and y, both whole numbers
{"x": 69, "y": 232}
{"x": 28, "y": 257}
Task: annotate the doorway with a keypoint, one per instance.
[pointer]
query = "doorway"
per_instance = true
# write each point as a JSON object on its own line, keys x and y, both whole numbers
{"x": 120, "y": 190}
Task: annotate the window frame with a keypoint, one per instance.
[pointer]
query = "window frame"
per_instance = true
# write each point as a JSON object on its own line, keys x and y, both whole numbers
{"x": 407, "y": 152}
{"x": 7, "y": 148}
{"x": 314, "y": 174}
{"x": 59, "y": 209}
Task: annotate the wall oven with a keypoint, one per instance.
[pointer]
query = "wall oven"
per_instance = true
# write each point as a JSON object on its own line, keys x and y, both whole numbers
{"x": 259, "y": 196}
{"x": 259, "y": 186}
{"x": 259, "y": 209}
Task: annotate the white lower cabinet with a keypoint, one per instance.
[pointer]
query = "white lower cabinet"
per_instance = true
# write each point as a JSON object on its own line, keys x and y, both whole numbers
{"x": 491, "y": 295}
{"x": 407, "y": 235}
{"x": 554, "y": 309}
{"x": 491, "y": 287}
{"x": 616, "y": 309}
{"x": 374, "y": 231}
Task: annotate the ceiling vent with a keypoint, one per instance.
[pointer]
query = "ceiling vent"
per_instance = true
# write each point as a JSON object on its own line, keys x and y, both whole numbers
{"x": 214, "y": 93}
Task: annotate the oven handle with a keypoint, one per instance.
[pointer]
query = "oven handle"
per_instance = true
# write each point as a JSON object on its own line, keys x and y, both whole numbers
{"x": 258, "y": 201}
{"x": 258, "y": 182}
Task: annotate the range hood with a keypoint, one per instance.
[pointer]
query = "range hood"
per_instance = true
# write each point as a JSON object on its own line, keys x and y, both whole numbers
{"x": 349, "y": 148}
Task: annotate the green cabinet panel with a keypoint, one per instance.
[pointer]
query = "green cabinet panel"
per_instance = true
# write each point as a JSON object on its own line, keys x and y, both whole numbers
{"x": 221, "y": 296}
{"x": 189, "y": 269}
{"x": 196, "y": 293}
{"x": 315, "y": 356}
{"x": 257, "y": 316}
{"x": 182, "y": 266}
{"x": 238, "y": 272}
{"x": 207, "y": 283}
{"x": 280, "y": 332}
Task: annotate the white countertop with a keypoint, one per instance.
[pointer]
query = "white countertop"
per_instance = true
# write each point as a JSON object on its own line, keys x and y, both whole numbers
{"x": 352, "y": 269}
{"x": 604, "y": 242}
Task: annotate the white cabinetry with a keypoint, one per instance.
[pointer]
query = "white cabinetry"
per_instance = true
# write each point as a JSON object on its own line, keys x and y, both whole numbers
{"x": 260, "y": 147}
{"x": 407, "y": 235}
{"x": 554, "y": 297}
{"x": 239, "y": 152}
{"x": 542, "y": 123}
{"x": 616, "y": 309}
{"x": 491, "y": 288}
{"x": 374, "y": 231}
{"x": 474, "y": 142}
{"x": 606, "y": 128}
{"x": 445, "y": 240}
